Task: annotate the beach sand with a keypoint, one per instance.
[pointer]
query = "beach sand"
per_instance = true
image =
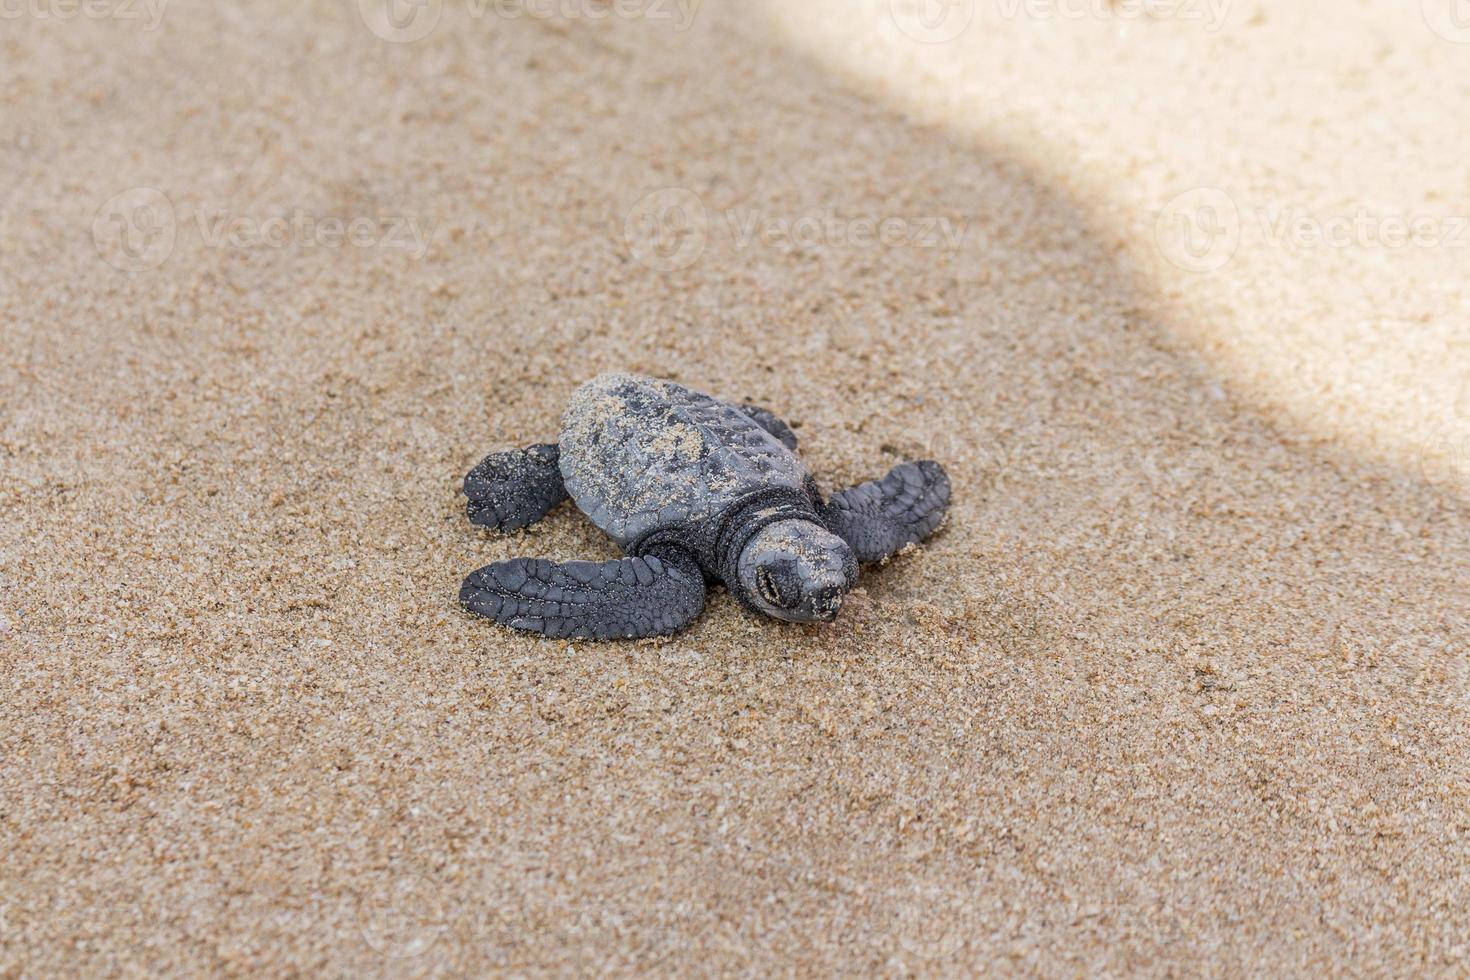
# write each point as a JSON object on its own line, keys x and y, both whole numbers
{"x": 1180, "y": 687}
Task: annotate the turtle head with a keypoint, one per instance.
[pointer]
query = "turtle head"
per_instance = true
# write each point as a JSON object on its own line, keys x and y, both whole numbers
{"x": 796, "y": 570}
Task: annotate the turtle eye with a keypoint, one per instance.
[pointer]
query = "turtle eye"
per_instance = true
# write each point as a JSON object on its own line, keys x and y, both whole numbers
{"x": 765, "y": 583}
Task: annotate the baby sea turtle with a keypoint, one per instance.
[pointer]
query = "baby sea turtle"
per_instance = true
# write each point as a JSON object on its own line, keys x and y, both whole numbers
{"x": 694, "y": 490}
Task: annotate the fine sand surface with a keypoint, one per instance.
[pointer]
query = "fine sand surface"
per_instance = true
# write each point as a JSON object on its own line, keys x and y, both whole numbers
{"x": 1179, "y": 688}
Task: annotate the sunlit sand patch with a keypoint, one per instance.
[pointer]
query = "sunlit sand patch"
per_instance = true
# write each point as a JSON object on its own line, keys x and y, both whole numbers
{"x": 1316, "y": 266}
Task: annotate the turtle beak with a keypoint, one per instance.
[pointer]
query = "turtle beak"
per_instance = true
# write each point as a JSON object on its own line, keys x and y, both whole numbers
{"x": 823, "y": 600}
{"x": 806, "y": 594}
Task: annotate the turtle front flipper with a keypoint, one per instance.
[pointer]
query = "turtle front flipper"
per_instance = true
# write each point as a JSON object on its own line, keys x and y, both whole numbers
{"x": 772, "y": 423}
{"x": 624, "y": 598}
{"x": 878, "y": 519}
{"x": 513, "y": 489}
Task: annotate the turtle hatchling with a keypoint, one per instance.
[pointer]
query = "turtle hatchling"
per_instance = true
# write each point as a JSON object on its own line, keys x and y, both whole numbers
{"x": 695, "y": 491}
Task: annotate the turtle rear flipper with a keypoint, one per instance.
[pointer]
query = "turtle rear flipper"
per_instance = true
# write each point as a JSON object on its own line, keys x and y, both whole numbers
{"x": 879, "y": 518}
{"x": 623, "y": 598}
{"x": 511, "y": 490}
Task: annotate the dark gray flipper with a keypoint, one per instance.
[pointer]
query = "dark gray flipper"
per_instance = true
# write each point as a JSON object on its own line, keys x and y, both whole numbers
{"x": 772, "y": 423}
{"x": 624, "y": 598}
{"x": 879, "y": 518}
{"x": 511, "y": 490}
